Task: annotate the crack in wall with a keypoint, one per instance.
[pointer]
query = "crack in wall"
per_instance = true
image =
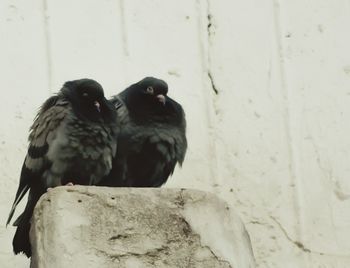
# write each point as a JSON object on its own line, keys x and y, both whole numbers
{"x": 328, "y": 173}
{"x": 209, "y": 22}
{"x": 299, "y": 244}
{"x": 123, "y": 28}
{"x": 124, "y": 38}
{"x": 216, "y": 257}
{"x": 294, "y": 176}
{"x": 204, "y": 46}
{"x": 48, "y": 47}
{"x": 295, "y": 242}
{"x": 213, "y": 86}
{"x": 210, "y": 33}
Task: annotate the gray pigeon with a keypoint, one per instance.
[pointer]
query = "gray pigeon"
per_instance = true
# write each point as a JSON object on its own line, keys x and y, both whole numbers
{"x": 152, "y": 136}
{"x": 72, "y": 140}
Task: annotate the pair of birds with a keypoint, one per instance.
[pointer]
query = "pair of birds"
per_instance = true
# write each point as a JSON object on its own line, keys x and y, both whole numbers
{"x": 78, "y": 136}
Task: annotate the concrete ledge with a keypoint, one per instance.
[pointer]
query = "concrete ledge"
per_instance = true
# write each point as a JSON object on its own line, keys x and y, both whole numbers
{"x": 132, "y": 227}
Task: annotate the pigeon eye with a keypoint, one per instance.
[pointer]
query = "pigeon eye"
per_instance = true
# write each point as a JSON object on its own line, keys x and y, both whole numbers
{"x": 85, "y": 94}
{"x": 150, "y": 90}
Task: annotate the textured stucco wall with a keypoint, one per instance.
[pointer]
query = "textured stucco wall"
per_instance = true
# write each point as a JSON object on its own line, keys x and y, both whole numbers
{"x": 265, "y": 85}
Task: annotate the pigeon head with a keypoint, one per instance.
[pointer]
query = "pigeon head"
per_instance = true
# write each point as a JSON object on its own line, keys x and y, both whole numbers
{"x": 148, "y": 97}
{"x": 88, "y": 100}
{"x": 153, "y": 90}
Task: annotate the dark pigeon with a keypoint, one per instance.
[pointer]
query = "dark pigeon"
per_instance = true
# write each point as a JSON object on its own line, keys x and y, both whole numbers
{"x": 72, "y": 140}
{"x": 152, "y": 138}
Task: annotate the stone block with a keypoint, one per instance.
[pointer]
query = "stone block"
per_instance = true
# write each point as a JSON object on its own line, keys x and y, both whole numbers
{"x": 83, "y": 226}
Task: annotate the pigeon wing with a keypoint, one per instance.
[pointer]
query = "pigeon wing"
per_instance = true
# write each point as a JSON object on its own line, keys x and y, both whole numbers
{"x": 42, "y": 133}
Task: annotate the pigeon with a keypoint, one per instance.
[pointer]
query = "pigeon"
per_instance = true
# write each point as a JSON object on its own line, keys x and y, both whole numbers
{"x": 152, "y": 138}
{"x": 72, "y": 140}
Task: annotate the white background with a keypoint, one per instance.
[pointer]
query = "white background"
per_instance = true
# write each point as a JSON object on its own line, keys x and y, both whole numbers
{"x": 275, "y": 139}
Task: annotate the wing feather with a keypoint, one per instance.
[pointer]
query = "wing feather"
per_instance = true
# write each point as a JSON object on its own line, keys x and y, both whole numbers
{"x": 42, "y": 133}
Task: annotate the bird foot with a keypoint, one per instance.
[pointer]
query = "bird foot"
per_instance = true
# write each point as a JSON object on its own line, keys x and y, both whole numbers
{"x": 68, "y": 184}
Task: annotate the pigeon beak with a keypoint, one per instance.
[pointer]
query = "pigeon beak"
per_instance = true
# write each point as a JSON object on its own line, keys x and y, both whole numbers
{"x": 161, "y": 98}
{"x": 97, "y": 105}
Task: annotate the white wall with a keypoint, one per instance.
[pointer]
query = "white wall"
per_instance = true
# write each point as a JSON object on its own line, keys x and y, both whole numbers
{"x": 274, "y": 141}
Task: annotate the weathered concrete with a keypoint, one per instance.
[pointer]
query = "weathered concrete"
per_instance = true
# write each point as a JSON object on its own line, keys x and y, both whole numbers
{"x": 128, "y": 227}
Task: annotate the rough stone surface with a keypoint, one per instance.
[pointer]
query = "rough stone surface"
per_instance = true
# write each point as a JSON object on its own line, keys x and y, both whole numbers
{"x": 128, "y": 227}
